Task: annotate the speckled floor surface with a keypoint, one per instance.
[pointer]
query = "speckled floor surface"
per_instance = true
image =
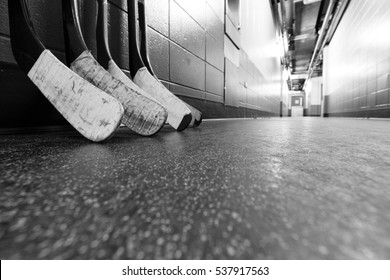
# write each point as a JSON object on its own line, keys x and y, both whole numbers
{"x": 286, "y": 188}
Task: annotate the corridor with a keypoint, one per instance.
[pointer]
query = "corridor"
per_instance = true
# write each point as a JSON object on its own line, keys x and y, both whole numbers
{"x": 273, "y": 188}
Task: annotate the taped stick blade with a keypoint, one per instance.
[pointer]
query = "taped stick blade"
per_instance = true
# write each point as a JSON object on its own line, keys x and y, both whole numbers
{"x": 144, "y": 51}
{"x": 179, "y": 115}
{"x": 142, "y": 115}
{"x": 92, "y": 112}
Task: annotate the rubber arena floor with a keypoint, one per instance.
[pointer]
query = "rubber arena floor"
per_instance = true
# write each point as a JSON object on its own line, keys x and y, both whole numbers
{"x": 279, "y": 188}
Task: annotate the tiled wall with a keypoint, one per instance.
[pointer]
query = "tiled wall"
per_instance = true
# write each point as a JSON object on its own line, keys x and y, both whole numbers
{"x": 187, "y": 44}
{"x": 357, "y": 62}
{"x": 191, "y": 60}
{"x": 253, "y": 77}
{"x": 314, "y": 96}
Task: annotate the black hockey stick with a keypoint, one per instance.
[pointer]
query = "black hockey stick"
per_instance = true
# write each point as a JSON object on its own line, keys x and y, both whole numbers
{"x": 103, "y": 50}
{"x": 196, "y": 114}
{"x": 179, "y": 115}
{"x": 92, "y": 112}
{"x": 142, "y": 115}
{"x": 144, "y": 50}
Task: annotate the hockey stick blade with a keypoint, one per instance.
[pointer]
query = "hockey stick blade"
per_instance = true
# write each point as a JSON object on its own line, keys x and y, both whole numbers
{"x": 104, "y": 57}
{"x": 92, "y": 112}
{"x": 141, "y": 114}
{"x": 144, "y": 50}
{"x": 179, "y": 115}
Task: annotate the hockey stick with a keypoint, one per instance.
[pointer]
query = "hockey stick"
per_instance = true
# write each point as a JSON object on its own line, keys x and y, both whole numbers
{"x": 92, "y": 112}
{"x": 179, "y": 115}
{"x": 104, "y": 57}
{"x": 142, "y": 115}
{"x": 144, "y": 50}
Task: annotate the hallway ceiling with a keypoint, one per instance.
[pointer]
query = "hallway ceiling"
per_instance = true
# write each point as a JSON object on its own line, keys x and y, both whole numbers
{"x": 300, "y": 22}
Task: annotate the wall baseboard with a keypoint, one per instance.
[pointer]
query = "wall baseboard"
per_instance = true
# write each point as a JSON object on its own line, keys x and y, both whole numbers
{"x": 369, "y": 113}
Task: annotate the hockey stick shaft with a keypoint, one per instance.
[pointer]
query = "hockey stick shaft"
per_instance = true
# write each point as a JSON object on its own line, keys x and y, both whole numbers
{"x": 103, "y": 49}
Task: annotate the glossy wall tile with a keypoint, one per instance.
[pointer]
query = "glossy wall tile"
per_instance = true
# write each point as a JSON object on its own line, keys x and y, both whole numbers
{"x": 187, "y": 47}
{"x": 357, "y": 62}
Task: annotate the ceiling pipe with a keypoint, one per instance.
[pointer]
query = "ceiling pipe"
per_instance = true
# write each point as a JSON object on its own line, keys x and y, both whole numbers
{"x": 275, "y": 14}
{"x": 283, "y": 13}
{"x": 289, "y": 16}
{"x": 336, "y": 18}
{"x": 320, "y": 39}
{"x": 287, "y": 21}
{"x": 286, "y": 11}
{"x": 279, "y": 25}
{"x": 341, "y": 7}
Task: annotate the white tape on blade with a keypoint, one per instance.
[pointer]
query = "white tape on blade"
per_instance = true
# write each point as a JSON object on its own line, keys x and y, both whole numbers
{"x": 95, "y": 114}
{"x": 175, "y": 107}
{"x": 114, "y": 70}
{"x": 142, "y": 115}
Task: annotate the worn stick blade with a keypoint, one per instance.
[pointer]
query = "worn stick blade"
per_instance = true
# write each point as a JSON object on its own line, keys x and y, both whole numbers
{"x": 95, "y": 114}
{"x": 114, "y": 70}
{"x": 179, "y": 116}
{"x": 144, "y": 51}
{"x": 104, "y": 57}
{"x": 142, "y": 115}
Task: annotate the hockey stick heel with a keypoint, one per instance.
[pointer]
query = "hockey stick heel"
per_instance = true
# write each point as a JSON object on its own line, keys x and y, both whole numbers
{"x": 185, "y": 122}
{"x": 198, "y": 121}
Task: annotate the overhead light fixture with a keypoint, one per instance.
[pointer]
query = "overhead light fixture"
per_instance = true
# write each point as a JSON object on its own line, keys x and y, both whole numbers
{"x": 306, "y": 2}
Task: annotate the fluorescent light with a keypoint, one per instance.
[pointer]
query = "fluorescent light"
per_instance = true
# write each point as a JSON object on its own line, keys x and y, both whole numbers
{"x": 306, "y": 2}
